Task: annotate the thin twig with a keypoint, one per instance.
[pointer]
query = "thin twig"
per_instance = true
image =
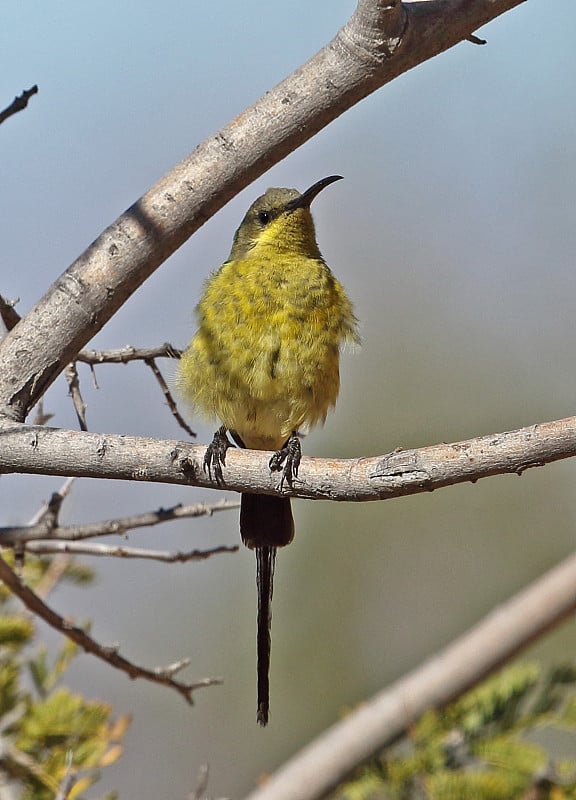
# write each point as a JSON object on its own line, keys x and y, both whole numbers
{"x": 161, "y": 675}
{"x": 122, "y": 355}
{"x": 49, "y": 512}
{"x": 71, "y": 374}
{"x": 73, "y": 548}
{"x": 201, "y": 783}
{"x": 475, "y": 39}
{"x": 168, "y": 396}
{"x": 41, "y": 417}
{"x": 57, "y": 566}
{"x": 68, "y": 780}
{"x": 18, "y": 104}
{"x": 10, "y": 536}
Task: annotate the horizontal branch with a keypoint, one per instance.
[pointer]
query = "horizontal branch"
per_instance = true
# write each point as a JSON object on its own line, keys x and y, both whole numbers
{"x": 119, "y": 551}
{"x": 42, "y": 528}
{"x": 122, "y": 355}
{"x": 380, "y": 721}
{"x": 51, "y": 451}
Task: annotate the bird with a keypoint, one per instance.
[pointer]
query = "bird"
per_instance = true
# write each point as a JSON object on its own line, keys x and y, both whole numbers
{"x": 264, "y": 361}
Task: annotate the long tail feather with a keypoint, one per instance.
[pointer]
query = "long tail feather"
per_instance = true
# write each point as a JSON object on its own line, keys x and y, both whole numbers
{"x": 265, "y": 561}
{"x": 266, "y": 523}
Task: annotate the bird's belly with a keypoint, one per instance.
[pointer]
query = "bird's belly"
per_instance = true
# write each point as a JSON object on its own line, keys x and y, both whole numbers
{"x": 265, "y": 358}
{"x": 285, "y": 383}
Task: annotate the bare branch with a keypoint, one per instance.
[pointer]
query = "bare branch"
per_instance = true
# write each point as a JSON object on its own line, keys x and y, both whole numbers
{"x": 20, "y": 534}
{"x": 73, "y": 382}
{"x": 52, "y": 451}
{"x": 169, "y": 399}
{"x": 122, "y": 355}
{"x": 48, "y": 513}
{"x": 381, "y": 720}
{"x": 18, "y": 104}
{"x": 41, "y": 417}
{"x": 75, "y": 549}
{"x": 46, "y": 518}
{"x": 110, "y": 655}
{"x": 382, "y": 39}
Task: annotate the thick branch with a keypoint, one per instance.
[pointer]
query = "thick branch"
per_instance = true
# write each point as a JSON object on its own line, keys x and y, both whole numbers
{"x": 52, "y": 451}
{"x": 378, "y": 722}
{"x": 380, "y": 41}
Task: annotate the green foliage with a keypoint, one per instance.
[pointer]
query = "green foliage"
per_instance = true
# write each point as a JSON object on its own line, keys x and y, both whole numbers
{"x": 50, "y": 736}
{"x": 482, "y": 746}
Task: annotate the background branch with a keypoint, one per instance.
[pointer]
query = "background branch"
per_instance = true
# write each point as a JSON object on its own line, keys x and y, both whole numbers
{"x": 38, "y": 530}
{"x": 119, "y": 551}
{"x": 161, "y": 675}
{"x": 380, "y": 721}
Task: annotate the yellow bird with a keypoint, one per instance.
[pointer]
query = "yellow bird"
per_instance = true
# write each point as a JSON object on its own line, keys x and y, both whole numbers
{"x": 265, "y": 362}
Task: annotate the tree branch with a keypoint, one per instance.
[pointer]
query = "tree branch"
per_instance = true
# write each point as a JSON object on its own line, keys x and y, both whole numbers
{"x": 53, "y": 451}
{"x": 122, "y": 355}
{"x": 43, "y": 529}
{"x": 380, "y": 721}
{"x": 18, "y": 104}
{"x": 170, "y": 402}
{"x": 47, "y": 547}
{"x": 383, "y": 39}
{"x": 162, "y": 675}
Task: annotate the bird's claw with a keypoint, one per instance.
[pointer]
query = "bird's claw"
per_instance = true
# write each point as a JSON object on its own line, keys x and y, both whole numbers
{"x": 215, "y": 455}
{"x": 287, "y": 460}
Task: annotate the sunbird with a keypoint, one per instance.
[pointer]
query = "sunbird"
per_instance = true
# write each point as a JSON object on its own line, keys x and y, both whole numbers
{"x": 265, "y": 362}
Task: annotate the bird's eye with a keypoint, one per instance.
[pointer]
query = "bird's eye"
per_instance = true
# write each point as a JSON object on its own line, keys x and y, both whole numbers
{"x": 263, "y": 217}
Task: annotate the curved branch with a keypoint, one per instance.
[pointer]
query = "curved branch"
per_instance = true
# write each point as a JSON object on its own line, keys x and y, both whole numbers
{"x": 162, "y": 675}
{"x": 53, "y": 451}
{"x": 380, "y": 721}
{"x": 383, "y": 39}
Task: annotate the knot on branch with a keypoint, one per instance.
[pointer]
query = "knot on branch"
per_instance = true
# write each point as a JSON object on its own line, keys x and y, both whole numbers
{"x": 375, "y": 30}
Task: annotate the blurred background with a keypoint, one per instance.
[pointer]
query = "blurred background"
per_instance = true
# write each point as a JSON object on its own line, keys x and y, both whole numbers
{"x": 454, "y": 235}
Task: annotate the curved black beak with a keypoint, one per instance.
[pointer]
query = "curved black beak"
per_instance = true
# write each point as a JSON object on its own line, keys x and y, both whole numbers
{"x": 305, "y": 199}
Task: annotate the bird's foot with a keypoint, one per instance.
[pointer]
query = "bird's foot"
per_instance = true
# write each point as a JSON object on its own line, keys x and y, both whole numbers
{"x": 215, "y": 456}
{"x": 287, "y": 460}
